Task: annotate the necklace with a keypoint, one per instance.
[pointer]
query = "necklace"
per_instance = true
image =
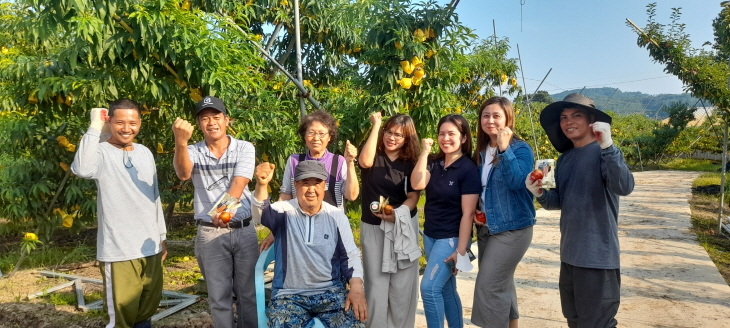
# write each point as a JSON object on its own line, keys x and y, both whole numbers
{"x": 126, "y": 160}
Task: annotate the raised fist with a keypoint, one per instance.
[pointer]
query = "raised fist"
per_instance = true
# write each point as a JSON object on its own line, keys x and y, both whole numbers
{"x": 99, "y": 116}
{"x": 602, "y": 131}
{"x": 426, "y": 143}
{"x": 504, "y": 135}
{"x": 183, "y": 130}
{"x": 376, "y": 118}
{"x": 264, "y": 173}
{"x": 350, "y": 152}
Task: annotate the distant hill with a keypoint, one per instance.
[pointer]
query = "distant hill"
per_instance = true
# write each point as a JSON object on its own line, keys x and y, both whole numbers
{"x": 632, "y": 102}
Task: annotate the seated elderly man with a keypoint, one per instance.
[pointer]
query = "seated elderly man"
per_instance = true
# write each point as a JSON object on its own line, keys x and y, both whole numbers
{"x": 316, "y": 255}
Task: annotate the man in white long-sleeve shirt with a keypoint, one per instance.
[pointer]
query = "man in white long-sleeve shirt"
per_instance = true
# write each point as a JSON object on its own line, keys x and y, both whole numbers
{"x": 316, "y": 255}
{"x": 131, "y": 235}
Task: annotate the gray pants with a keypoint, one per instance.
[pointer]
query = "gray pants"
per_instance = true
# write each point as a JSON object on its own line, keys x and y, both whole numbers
{"x": 391, "y": 297}
{"x": 495, "y": 296}
{"x": 227, "y": 260}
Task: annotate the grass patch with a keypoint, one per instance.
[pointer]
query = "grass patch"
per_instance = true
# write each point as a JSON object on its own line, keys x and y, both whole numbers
{"x": 182, "y": 277}
{"x": 47, "y": 255}
{"x": 69, "y": 298}
{"x": 706, "y": 179}
{"x": 691, "y": 164}
{"x": 704, "y": 223}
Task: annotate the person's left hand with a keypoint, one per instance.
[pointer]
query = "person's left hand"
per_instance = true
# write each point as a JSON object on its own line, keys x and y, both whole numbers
{"x": 474, "y": 219}
{"x": 217, "y": 222}
{"x": 350, "y": 152}
{"x": 452, "y": 257}
{"x": 386, "y": 217}
{"x": 164, "y": 251}
{"x": 267, "y": 242}
{"x": 356, "y": 299}
{"x": 602, "y": 131}
{"x": 504, "y": 135}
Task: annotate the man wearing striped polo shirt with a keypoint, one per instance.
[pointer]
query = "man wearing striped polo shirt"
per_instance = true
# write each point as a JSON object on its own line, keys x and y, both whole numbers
{"x": 226, "y": 252}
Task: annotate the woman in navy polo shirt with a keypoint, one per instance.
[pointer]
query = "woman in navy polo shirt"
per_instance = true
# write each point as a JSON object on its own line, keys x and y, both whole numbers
{"x": 387, "y": 160}
{"x": 451, "y": 181}
{"x": 504, "y": 161}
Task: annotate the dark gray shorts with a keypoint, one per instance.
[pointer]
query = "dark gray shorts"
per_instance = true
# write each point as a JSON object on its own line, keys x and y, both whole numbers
{"x": 589, "y": 297}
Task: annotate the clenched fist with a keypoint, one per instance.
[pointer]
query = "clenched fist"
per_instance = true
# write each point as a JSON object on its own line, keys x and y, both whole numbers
{"x": 376, "y": 118}
{"x": 602, "y": 131}
{"x": 264, "y": 173}
{"x": 350, "y": 152}
{"x": 504, "y": 135}
{"x": 183, "y": 130}
{"x": 426, "y": 144}
{"x": 99, "y": 116}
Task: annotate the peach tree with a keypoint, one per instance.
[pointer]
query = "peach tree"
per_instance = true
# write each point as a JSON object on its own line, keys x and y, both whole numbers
{"x": 61, "y": 58}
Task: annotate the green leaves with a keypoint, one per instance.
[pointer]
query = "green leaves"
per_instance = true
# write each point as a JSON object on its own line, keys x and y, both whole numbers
{"x": 66, "y": 57}
{"x": 704, "y": 72}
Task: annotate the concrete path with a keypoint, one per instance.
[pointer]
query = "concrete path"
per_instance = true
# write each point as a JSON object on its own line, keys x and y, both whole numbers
{"x": 668, "y": 280}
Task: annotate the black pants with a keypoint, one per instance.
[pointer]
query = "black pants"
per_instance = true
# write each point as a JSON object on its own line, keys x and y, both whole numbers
{"x": 589, "y": 297}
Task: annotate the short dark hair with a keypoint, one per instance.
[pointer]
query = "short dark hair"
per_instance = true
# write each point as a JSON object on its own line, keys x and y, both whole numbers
{"x": 323, "y": 118}
{"x": 123, "y": 103}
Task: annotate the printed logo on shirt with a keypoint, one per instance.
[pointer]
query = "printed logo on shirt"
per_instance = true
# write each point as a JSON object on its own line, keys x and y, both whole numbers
{"x": 326, "y": 236}
{"x": 451, "y": 183}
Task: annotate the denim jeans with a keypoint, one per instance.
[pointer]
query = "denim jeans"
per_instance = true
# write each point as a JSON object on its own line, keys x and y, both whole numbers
{"x": 438, "y": 285}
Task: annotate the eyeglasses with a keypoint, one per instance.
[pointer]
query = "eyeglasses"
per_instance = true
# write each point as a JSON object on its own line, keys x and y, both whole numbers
{"x": 396, "y": 136}
{"x": 220, "y": 181}
{"x": 321, "y": 135}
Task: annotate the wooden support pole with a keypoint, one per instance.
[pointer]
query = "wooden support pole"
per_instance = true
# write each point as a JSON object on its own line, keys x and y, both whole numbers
{"x": 722, "y": 178}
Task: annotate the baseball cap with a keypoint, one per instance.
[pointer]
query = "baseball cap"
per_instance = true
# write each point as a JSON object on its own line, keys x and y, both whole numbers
{"x": 210, "y": 102}
{"x": 310, "y": 169}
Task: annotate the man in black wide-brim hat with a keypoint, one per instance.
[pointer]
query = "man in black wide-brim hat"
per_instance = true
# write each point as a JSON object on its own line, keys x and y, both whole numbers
{"x": 590, "y": 176}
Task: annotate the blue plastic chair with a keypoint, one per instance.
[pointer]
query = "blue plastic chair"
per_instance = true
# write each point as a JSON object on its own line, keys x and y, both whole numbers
{"x": 263, "y": 262}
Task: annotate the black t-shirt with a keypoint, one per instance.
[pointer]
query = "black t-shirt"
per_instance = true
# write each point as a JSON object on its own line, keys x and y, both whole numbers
{"x": 443, "y": 195}
{"x": 388, "y": 179}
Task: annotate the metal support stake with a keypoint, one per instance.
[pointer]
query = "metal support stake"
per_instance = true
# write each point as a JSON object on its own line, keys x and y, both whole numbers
{"x": 296, "y": 82}
{"x": 722, "y": 178}
{"x": 494, "y": 27}
{"x": 527, "y": 101}
{"x": 640, "y": 163}
{"x": 302, "y": 109}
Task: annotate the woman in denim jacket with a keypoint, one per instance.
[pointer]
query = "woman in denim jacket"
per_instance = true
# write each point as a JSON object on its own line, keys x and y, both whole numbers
{"x": 504, "y": 162}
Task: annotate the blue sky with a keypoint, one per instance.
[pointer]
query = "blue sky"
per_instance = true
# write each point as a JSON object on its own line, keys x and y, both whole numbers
{"x": 586, "y": 42}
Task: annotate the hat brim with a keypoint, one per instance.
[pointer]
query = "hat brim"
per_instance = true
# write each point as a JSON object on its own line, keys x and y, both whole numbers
{"x": 550, "y": 121}
{"x": 311, "y": 175}
{"x": 210, "y": 107}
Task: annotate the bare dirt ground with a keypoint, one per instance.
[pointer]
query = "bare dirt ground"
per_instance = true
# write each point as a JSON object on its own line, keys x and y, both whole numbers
{"x": 668, "y": 280}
